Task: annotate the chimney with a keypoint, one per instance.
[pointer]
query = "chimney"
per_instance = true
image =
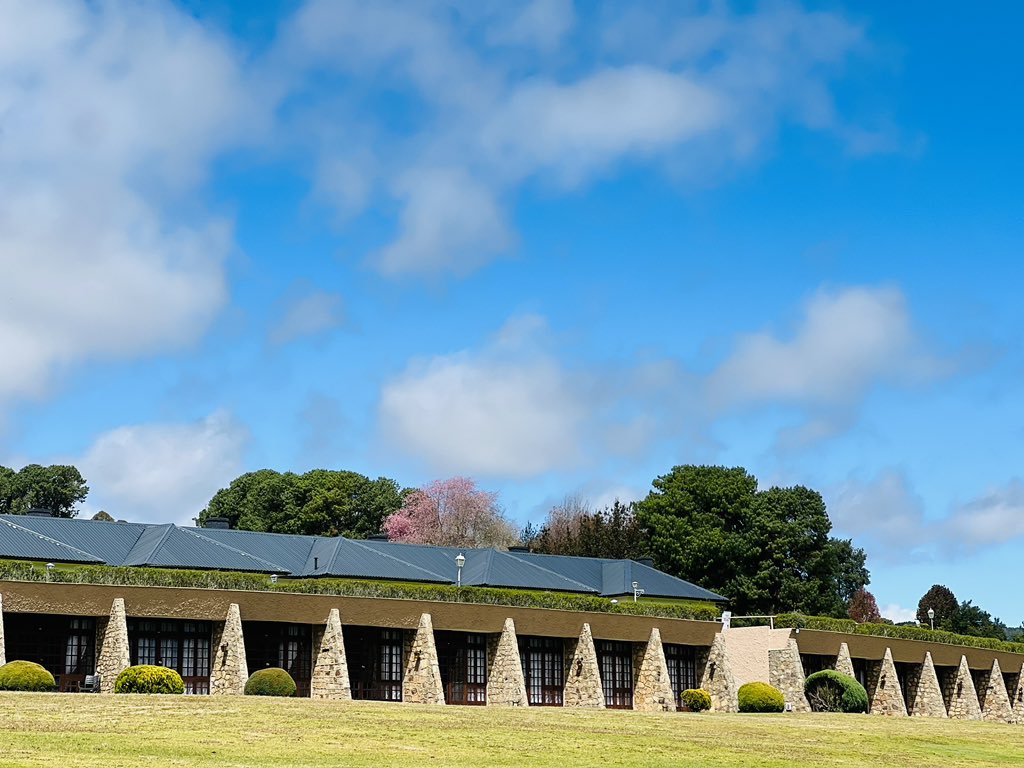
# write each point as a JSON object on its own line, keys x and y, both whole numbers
{"x": 519, "y": 549}
{"x": 648, "y": 561}
{"x": 378, "y": 537}
{"x": 39, "y": 512}
{"x": 221, "y": 523}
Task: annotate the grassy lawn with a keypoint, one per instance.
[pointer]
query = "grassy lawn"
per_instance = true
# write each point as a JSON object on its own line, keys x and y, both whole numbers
{"x": 155, "y": 731}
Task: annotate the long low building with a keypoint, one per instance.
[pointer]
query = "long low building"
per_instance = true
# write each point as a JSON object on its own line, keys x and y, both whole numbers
{"x": 432, "y": 651}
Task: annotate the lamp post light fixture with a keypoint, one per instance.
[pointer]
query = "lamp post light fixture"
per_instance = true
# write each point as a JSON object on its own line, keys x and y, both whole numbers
{"x": 931, "y": 617}
{"x": 636, "y": 591}
{"x": 273, "y": 578}
{"x": 49, "y": 570}
{"x": 460, "y": 560}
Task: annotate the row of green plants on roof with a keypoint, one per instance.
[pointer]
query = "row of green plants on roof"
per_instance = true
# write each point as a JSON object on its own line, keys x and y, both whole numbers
{"x": 253, "y": 582}
{"x": 849, "y": 626}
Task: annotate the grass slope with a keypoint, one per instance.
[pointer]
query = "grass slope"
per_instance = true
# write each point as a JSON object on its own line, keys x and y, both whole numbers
{"x": 126, "y": 731}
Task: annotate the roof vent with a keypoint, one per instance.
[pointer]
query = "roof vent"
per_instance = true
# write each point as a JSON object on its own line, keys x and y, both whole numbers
{"x": 648, "y": 561}
{"x": 39, "y": 512}
{"x": 378, "y": 537}
{"x": 519, "y": 549}
{"x": 218, "y": 522}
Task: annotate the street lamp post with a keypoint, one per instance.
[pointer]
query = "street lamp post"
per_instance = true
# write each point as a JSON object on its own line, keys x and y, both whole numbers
{"x": 931, "y": 617}
{"x": 636, "y": 590}
{"x": 460, "y": 560}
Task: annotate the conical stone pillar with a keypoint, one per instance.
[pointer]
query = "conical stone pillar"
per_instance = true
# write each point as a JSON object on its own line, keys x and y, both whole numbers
{"x": 114, "y": 656}
{"x": 652, "y": 688}
{"x": 582, "y": 674}
{"x": 844, "y": 663}
{"x": 886, "y": 694}
{"x": 962, "y": 696}
{"x": 1016, "y": 692}
{"x": 995, "y": 704}
{"x": 786, "y": 672}
{"x": 230, "y": 670}
{"x": 330, "y": 668}
{"x": 422, "y": 682}
{"x": 718, "y": 679}
{"x": 927, "y": 700}
{"x": 506, "y": 686}
{"x": 3, "y": 652}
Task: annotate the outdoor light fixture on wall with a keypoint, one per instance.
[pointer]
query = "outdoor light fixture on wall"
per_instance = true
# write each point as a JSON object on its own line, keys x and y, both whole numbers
{"x": 460, "y": 560}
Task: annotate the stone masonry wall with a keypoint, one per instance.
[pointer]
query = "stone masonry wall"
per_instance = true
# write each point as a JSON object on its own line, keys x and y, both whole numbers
{"x": 229, "y": 671}
{"x": 926, "y": 699}
{"x": 1015, "y": 689}
{"x": 422, "y": 683}
{"x": 330, "y": 667}
{"x": 961, "y": 694}
{"x": 582, "y": 674}
{"x": 995, "y": 702}
{"x": 652, "y": 688}
{"x": 114, "y": 656}
{"x": 506, "y": 686}
{"x": 884, "y": 690}
{"x": 844, "y": 663}
{"x": 717, "y": 678}
{"x": 786, "y": 672}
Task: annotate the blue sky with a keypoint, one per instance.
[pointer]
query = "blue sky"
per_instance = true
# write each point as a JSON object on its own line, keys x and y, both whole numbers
{"x": 556, "y": 247}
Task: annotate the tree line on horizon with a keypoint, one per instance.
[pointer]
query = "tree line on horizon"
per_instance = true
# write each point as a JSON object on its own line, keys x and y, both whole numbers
{"x": 768, "y": 551}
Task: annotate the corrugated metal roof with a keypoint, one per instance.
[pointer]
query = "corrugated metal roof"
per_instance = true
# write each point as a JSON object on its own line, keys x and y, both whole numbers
{"x": 170, "y": 546}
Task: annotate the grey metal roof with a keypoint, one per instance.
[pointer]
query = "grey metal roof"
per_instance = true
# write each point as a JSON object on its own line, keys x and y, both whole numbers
{"x": 171, "y": 546}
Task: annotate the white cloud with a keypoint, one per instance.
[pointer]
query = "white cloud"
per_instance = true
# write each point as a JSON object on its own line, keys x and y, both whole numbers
{"x": 847, "y": 341}
{"x": 897, "y": 613}
{"x": 465, "y": 414}
{"x": 309, "y": 314}
{"x": 888, "y": 519}
{"x": 163, "y": 472}
{"x": 110, "y": 115}
{"x": 450, "y": 223}
{"x": 499, "y": 101}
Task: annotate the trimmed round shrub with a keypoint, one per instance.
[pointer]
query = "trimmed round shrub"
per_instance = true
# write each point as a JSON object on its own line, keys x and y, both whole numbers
{"x": 25, "y": 676}
{"x": 272, "y": 681}
{"x": 761, "y": 697}
{"x": 149, "y": 679}
{"x": 696, "y": 699}
{"x": 831, "y": 691}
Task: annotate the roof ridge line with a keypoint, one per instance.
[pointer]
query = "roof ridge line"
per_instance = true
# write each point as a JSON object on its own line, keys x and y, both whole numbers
{"x": 276, "y": 566}
{"x": 56, "y": 542}
{"x": 586, "y": 587}
{"x": 391, "y": 557}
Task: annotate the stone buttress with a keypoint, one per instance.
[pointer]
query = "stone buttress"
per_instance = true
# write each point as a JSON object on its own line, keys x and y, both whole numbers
{"x": 926, "y": 697}
{"x": 786, "y": 672}
{"x": 582, "y": 674}
{"x": 330, "y": 667}
{"x": 506, "y": 686}
{"x": 230, "y": 670}
{"x": 114, "y": 655}
{"x": 884, "y": 690}
{"x": 421, "y": 683}
{"x": 652, "y": 687}
{"x": 718, "y": 680}
{"x": 995, "y": 701}
{"x": 961, "y": 694}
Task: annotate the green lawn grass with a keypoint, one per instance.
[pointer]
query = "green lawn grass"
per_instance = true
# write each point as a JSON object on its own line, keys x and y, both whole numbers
{"x": 68, "y": 731}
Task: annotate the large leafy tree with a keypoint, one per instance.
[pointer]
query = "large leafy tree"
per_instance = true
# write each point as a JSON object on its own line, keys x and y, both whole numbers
{"x": 768, "y": 551}
{"x": 320, "y": 502}
{"x": 453, "y": 513}
{"x": 864, "y": 608}
{"x": 59, "y": 488}
{"x": 941, "y": 600}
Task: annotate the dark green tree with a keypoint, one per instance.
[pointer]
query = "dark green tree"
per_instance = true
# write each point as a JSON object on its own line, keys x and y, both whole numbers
{"x": 320, "y": 502}
{"x": 58, "y": 488}
{"x": 767, "y": 551}
{"x": 972, "y": 620}
{"x": 941, "y": 600}
{"x": 572, "y": 528}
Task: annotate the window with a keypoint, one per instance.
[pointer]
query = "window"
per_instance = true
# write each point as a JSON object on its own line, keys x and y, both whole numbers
{"x": 462, "y": 657}
{"x": 616, "y": 663}
{"x": 277, "y": 644}
{"x": 183, "y": 646}
{"x": 374, "y": 659}
{"x": 682, "y": 669}
{"x": 543, "y": 661}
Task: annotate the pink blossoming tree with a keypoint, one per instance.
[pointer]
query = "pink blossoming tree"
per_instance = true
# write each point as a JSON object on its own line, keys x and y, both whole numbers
{"x": 451, "y": 513}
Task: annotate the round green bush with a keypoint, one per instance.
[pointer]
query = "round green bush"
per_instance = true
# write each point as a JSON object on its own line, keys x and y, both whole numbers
{"x": 25, "y": 676}
{"x": 272, "y": 681}
{"x": 831, "y": 691}
{"x": 696, "y": 699}
{"x": 149, "y": 679}
{"x": 761, "y": 697}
